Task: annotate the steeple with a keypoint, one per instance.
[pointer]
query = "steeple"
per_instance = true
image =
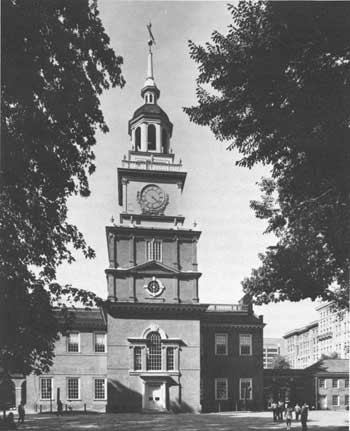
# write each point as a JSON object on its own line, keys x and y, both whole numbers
{"x": 150, "y": 92}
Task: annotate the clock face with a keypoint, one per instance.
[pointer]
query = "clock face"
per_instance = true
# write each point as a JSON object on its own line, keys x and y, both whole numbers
{"x": 153, "y": 199}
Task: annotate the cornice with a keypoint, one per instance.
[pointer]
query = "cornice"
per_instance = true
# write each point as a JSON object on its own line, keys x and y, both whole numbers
{"x": 140, "y": 231}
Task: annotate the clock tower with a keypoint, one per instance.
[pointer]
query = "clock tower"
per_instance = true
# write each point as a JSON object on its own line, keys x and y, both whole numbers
{"x": 152, "y": 257}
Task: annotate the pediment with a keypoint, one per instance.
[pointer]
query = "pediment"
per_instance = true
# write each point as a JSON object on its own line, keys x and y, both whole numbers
{"x": 153, "y": 268}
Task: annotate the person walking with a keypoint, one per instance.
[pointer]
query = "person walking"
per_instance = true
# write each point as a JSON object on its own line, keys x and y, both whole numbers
{"x": 297, "y": 410}
{"x": 288, "y": 415}
{"x": 280, "y": 409}
{"x": 303, "y": 416}
{"x": 21, "y": 412}
{"x": 274, "y": 410}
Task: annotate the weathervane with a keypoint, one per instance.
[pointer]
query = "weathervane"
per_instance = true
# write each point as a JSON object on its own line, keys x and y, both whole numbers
{"x": 151, "y": 39}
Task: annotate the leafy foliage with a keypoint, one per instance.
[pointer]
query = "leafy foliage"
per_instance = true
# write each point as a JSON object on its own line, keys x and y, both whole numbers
{"x": 280, "y": 362}
{"x": 277, "y": 87}
{"x": 56, "y": 61}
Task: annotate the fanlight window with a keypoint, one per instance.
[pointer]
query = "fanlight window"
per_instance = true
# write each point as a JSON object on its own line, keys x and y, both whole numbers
{"x": 154, "y": 351}
{"x": 151, "y": 138}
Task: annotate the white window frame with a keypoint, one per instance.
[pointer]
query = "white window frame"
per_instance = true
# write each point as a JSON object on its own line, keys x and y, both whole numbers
{"x": 322, "y": 379}
{"x": 67, "y": 388}
{"x": 94, "y": 389}
{"x": 246, "y": 379}
{"x": 52, "y": 391}
{"x": 221, "y": 380}
{"x": 105, "y": 341}
{"x": 338, "y": 401}
{"x": 241, "y": 344}
{"x": 337, "y": 383}
{"x": 217, "y": 344}
{"x": 150, "y": 244}
{"x": 73, "y": 351}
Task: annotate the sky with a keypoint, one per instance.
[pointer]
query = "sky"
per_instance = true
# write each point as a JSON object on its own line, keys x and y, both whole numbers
{"x": 217, "y": 192}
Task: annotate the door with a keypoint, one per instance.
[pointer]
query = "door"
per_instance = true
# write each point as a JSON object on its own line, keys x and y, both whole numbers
{"x": 154, "y": 397}
{"x": 323, "y": 402}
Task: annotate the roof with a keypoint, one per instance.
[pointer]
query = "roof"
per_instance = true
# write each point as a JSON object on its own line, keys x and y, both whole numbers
{"x": 330, "y": 366}
{"x": 151, "y": 110}
{"x": 301, "y": 330}
{"x": 83, "y": 319}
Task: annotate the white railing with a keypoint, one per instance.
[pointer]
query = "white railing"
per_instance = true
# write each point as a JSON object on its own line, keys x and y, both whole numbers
{"x": 224, "y": 308}
{"x": 152, "y": 165}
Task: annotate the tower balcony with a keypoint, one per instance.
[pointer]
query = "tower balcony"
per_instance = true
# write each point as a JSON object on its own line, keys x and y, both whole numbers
{"x": 153, "y": 165}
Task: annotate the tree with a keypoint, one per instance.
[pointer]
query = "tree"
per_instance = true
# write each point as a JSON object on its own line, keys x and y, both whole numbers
{"x": 56, "y": 61}
{"x": 280, "y": 362}
{"x": 277, "y": 87}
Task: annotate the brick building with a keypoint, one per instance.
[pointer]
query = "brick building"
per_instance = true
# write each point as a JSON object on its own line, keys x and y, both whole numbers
{"x": 165, "y": 351}
{"x": 78, "y": 376}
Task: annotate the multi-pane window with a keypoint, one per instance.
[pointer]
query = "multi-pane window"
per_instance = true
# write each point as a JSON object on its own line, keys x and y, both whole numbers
{"x": 221, "y": 388}
{"x": 137, "y": 358}
{"x": 170, "y": 365}
{"x": 346, "y": 399}
{"x": 245, "y": 344}
{"x": 100, "y": 342}
{"x": 100, "y": 389}
{"x": 346, "y": 383}
{"x": 245, "y": 389}
{"x": 334, "y": 383}
{"x": 221, "y": 344}
{"x": 335, "y": 400}
{"x": 322, "y": 383}
{"x": 73, "y": 342}
{"x": 154, "y": 250}
{"x": 73, "y": 388}
{"x": 154, "y": 352}
{"x": 46, "y": 388}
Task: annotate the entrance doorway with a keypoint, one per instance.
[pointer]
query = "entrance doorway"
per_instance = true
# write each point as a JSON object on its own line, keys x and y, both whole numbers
{"x": 323, "y": 402}
{"x": 154, "y": 397}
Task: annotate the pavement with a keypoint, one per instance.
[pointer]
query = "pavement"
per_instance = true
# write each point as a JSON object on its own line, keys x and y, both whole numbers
{"x": 225, "y": 421}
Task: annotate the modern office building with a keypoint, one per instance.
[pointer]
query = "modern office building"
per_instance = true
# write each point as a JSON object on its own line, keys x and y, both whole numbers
{"x": 328, "y": 335}
{"x": 272, "y": 347}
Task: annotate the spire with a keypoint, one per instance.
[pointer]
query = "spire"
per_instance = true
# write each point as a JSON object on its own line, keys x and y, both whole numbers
{"x": 150, "y": 85}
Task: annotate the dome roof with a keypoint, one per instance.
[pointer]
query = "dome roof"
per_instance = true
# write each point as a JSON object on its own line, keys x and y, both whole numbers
{"x": 150, "y": 110}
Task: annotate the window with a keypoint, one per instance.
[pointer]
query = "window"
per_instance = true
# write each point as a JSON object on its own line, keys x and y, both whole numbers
{"x": 335, "y": 400}
{"x": 138, "y": 138}
{"x": 170, "y": 359}
{"x": 322, "y": 383}
{"x": 73, "y": 392}
{"x": 245, "y": 344}
{"x": 100, "y": 389}
{"x": 154, "y": 250}
{"x": 151, "y": 137}
{"x": 346, "y": 383}
{"x": 100, "y": 342}
{"x": 334, "y": 383}
{"x": 346, "y": 399}
{"x": 164, "y": 141}
{"x": 73, "y": 342}
{"x": 245, "y": 389}
{"x": 221, "y": 389}
{"x": 154, "y": 353}
{"x": 220, "y": 344}
{"x": 46, "y": 388}
{"x": 137, "y": 359}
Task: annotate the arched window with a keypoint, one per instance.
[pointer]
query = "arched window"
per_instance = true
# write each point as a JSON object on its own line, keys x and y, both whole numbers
{"x": 150, "y": 98}
{"x": 154, "y": 351}
{"x": 151, "y": 137}
{"x": 164, "y": 142}
{"x": 138, "y": 139}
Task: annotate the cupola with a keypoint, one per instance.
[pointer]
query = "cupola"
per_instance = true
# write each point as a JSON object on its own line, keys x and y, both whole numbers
{"x": 150, "y": 128}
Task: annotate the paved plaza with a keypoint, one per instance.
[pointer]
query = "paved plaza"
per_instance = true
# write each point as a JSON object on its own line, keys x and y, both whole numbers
{"x": 319, "y": 421}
